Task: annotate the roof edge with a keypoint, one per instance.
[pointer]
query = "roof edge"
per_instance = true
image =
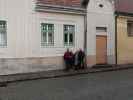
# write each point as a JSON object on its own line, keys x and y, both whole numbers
{"x": 60, "y": 9}
{"x": 118, "y": 13}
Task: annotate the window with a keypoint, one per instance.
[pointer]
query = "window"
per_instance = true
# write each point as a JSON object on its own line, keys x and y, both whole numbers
{"x": 101, "y": 29}
{"x": 101, "y": 5}
{"x": 47, "y": 34}
{"x": 3, "y": 34}
{"x": 130, "y": 28}
{"x": 69, "y": 32}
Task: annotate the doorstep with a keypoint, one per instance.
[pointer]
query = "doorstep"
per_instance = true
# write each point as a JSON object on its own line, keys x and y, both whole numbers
{"x": 4, "y": 79}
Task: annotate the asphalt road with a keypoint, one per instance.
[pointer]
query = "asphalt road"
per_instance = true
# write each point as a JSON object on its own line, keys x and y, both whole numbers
{"x": 117, "y": 85}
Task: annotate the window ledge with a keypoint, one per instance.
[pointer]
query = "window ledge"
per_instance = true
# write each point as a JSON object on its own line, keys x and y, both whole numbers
{"x": 47, "y": 46}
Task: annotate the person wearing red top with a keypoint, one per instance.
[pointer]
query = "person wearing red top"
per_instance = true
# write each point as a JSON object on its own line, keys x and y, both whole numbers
{"x": 68, "y": 58}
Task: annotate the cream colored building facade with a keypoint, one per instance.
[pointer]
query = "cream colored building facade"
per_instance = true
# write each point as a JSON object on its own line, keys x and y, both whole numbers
{"x": 124, "y": 29}
{"x": 100, "y": 23}
{"x": 124, "y": 41}
{"x": 23, "y": 32}
{"x": 23, "y": 25}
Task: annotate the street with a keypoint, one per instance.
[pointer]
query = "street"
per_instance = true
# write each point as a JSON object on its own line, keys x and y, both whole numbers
{"x": 116, "y": 85}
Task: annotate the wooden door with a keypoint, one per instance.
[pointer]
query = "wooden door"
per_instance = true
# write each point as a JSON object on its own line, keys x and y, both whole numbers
{"x": 101, "y": 50}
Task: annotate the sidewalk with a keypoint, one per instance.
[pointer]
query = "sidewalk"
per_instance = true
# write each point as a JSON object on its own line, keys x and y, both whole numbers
{"x": 56, "y": 73}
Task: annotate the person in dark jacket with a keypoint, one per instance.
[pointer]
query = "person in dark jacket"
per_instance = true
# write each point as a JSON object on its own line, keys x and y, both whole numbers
{"x": 71, "y": 59}
{"x": 76, "y": 60}
{"x": 68, "y": 58}
{"x": 81, "y": 58}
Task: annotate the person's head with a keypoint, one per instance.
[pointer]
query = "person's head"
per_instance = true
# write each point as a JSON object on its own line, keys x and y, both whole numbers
{"x": 77, "y": 51}
{"x": 80, "y": 49}
{"x": 67, "y": 49}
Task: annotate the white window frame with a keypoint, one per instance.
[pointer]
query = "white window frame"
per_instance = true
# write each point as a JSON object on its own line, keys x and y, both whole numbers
{"x": 130, "y": 29}
{"x": 47, "y": 43}
{"x": 3, "y": 34}
{"x": 68, "y": 32}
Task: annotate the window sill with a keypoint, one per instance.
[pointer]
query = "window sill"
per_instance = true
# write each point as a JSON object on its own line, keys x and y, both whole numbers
{"x": 68, "y": 45}
{"x": 47, "y": 46}
{"x": 2, "y": 47}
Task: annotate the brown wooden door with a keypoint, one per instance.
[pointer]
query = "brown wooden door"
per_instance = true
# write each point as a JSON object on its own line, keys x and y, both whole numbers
{"x": 101, "y": 50}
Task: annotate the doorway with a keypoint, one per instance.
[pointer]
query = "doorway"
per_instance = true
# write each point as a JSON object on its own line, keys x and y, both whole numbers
{"x": 101, "y": 49}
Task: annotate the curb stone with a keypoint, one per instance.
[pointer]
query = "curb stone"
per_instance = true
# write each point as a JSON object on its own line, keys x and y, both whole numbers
{"x": 5, "y": 79}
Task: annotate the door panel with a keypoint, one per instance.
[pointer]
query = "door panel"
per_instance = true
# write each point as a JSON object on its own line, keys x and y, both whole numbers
{"x": 101, "y": 50}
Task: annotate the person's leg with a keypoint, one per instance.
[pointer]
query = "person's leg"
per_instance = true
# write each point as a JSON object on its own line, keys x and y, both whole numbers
{"x": 79, "y": 67}
{"x": 70, "y": 64}
{"x": 82, "y": 64}
{"x": 76, "y": 67}
{"x": 66, "y": 65}
{"x": 75, "y": 64}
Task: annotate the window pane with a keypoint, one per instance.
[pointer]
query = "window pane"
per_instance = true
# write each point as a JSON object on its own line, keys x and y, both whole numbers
{"x": 130, "y": 28}
{"x": 44, "y": 27}
{"x": 71, "y": 38}
{"x": 50, "y": 27}
{"x": 71, "y": 28}
{"x": 50, "y": 38}
{"x": 2, "y": 39}
{"x": 2, "y": 24}
{"x": 44, "y": 37}
{"x": 65, "y": 27}
{"x": 66, "y": 38}
{"x": 101, "y": 29}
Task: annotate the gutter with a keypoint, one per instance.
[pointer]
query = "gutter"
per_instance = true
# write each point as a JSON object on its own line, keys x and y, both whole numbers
{"x": 85, "y": 31}
{"x": 116, "y": 49}
{"x": 85, "y": 38}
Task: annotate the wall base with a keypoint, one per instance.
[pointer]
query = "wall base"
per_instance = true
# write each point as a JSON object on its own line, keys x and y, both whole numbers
{"x": 25, "y": 65}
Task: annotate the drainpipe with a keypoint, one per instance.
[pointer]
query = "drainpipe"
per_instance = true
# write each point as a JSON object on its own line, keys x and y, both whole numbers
{"x": 85, "y": 37}
{"x": 116, "y": 49}
{"x": 85, "y": 31}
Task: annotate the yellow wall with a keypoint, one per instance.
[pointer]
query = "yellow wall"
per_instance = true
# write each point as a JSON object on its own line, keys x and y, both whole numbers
{"x": 124, "y": 43}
